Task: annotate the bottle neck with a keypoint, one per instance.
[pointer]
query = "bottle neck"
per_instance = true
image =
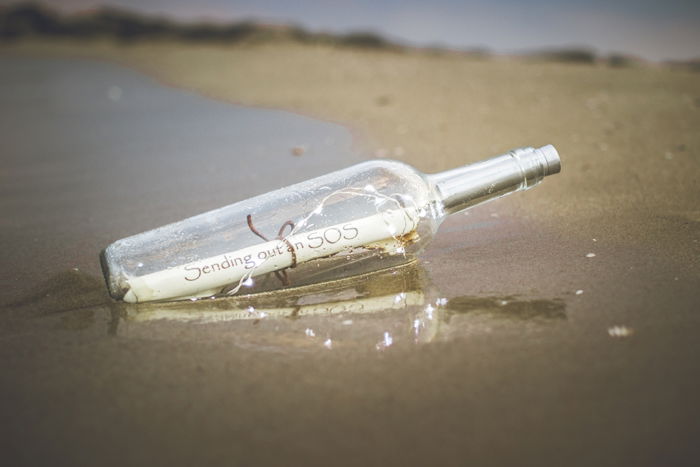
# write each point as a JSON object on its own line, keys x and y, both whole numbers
{"x": 473, "y": 184}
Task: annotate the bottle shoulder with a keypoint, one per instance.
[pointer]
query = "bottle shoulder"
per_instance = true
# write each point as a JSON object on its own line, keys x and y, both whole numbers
{"x": 394, "y": 169}
{"x": 413, "y": 186}
{"x": 387, "y": 164}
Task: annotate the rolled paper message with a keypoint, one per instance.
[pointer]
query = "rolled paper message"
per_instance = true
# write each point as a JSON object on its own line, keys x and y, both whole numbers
{"x": 208, "y": 276}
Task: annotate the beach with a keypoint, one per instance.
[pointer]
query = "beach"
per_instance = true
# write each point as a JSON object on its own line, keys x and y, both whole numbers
{"x": 567, "y": 315}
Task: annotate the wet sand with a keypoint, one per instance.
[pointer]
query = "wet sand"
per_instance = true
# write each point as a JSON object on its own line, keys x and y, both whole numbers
{"x": 534, "y": 351}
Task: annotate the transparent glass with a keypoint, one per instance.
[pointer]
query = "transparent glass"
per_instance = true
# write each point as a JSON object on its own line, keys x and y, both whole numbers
{"x": 336, "y": 225}
{"x": 371, "y": 216}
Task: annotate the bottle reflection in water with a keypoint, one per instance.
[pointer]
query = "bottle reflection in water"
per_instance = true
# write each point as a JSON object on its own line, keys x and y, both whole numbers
{"x": 371, "y": 216}
{"x": 384, "y": 310}
{"x": 353, "y": 313}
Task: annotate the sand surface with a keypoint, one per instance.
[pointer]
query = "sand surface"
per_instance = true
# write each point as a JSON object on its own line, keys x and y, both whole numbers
{"x": 540, "y": 352}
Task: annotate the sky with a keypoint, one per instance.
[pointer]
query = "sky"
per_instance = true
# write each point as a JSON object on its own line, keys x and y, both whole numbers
{"x": 651, "y": 29}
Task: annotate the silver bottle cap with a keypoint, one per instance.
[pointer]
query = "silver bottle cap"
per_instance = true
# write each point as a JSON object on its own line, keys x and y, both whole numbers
{"x": 519, "y": 169}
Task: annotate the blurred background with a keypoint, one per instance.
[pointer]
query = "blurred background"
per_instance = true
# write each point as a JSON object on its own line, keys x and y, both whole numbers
{"x": 644, "y": 29}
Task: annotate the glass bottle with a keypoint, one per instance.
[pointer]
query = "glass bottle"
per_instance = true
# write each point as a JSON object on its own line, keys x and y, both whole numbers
{"x": 374, "y": 215}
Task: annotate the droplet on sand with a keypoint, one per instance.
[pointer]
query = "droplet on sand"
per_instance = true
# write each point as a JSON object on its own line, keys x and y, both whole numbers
{"x": 386, "y": 342}
{"x": 579, "y": 292}
{"x": 399, "y": 297}
{"x": 620, "y": 331}
{"x": 590, "y": 255}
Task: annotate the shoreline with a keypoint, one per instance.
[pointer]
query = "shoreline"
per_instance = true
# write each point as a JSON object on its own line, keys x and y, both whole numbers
{"x": 440, "y": 112}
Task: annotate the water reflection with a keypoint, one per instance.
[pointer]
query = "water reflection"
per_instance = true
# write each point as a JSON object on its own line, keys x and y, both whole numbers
{"x": 509, "y": 308}
{"x": 393, "y": 289}
{"x": 395, "y": 307}
{"x": 467, "y": 315}
{"x": 387, "y": 309}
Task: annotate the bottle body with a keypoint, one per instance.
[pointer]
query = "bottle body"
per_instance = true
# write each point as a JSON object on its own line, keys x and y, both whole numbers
{"x": 370, "y": 216}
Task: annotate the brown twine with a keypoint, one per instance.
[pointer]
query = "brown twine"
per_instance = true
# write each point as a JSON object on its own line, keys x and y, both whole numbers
{"x": 282, "y": 273}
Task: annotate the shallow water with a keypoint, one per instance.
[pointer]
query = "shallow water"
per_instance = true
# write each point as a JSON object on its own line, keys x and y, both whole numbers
{"x": 485, "y": 352}
{"x": 93, "y": 152}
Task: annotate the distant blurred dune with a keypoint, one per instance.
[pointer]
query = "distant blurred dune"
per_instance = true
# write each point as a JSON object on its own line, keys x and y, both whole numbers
{"x": 29, "y": 20}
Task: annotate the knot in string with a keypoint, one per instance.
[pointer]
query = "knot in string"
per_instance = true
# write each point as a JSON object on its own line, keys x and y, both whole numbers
{"x": 282, "y": 273}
